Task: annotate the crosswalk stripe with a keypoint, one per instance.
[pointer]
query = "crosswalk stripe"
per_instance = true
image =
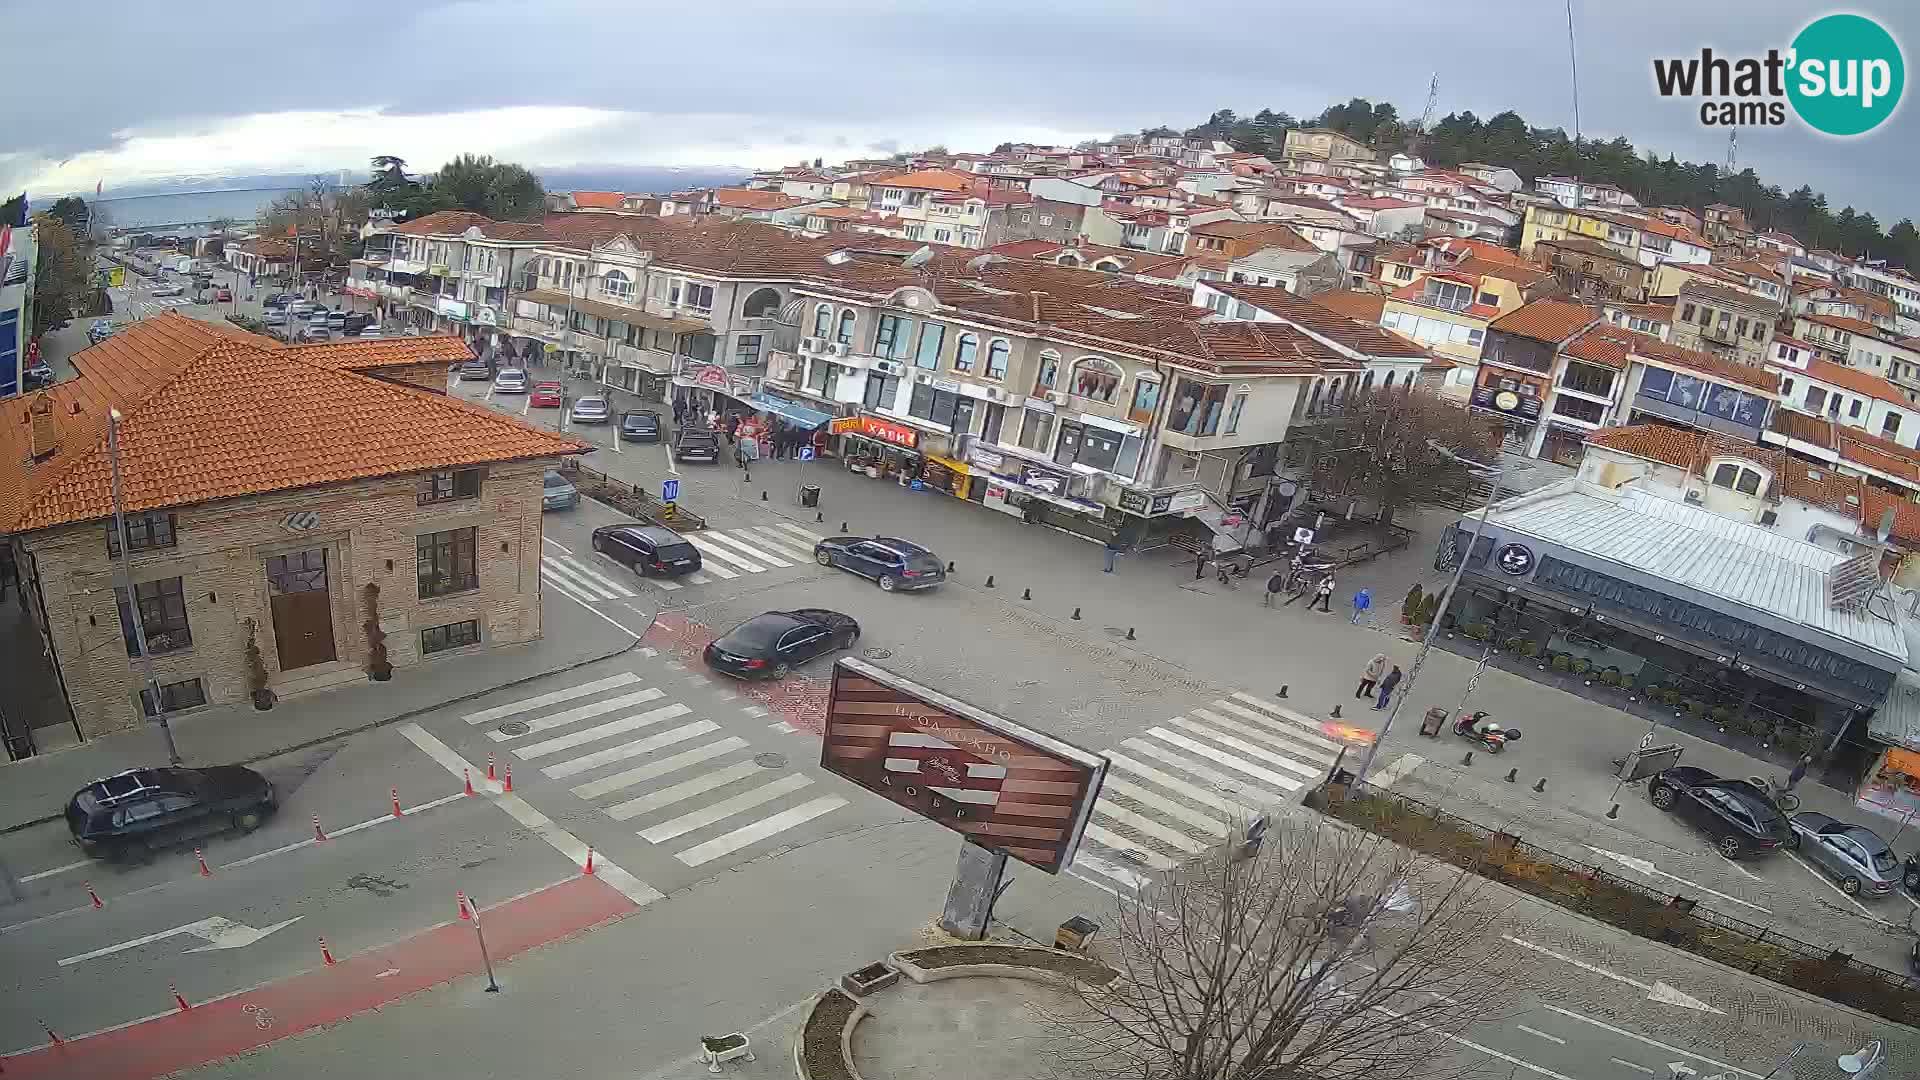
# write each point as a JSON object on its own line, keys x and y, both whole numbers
{"x": 746, "y": 548}
{"x": 579, "y": 712}
{"x": 553, "y": 570}
{"x": 1175, "y": 784}
{"x": 1145, "y": 824}
{"x": 1300, "y": 729}
{"x": 636, "y": 748}
{"x": 1246, "y": 747}
{"x": 713, "y": 551}
{"x": 1105, "y": 837}
{"x": 700, "y": 577}
{"x": 1247, "y": 793}
{"x": 1165, "y": 805}
{"x": 554, "y": 697}
{"x": 602, "y": 731}
{"x": 626, "y": 778}
{"x": 665, "y": 585}
{"x": 726, "y": 808}
{"x": 1279, "y": 710}
{"x": 773, "y": 825}
{"x": 1282, "y": 782}
{"x": 602, "y": 580}
{"x": 708, "y": 566}
{"x": 808, "y": 535}
{"x": 564, "y": 588}
{"x": 781, "y": 542}
{"x": 685, "y": 789}
{"x": 1268, "y": 736}
{"x": 1133, "y": 881}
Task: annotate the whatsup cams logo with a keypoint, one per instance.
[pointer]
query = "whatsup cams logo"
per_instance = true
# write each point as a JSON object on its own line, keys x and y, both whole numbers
{"x": 1842, "y": 75}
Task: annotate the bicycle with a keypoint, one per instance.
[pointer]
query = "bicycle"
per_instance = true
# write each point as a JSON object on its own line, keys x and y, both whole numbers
{"x": 1780, "y": 796}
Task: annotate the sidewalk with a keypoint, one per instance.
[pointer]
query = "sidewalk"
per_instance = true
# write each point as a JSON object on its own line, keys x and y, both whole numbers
{"x": 35, "y": 789}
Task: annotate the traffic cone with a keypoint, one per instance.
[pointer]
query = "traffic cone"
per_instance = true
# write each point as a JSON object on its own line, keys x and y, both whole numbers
{"x": 460, "y": 898}
{"x": 490, "y": 775}
{"x": 396, "y": 802}
{"x": 318, "y": 836}
{"x": 467, "y": 775}
{"x": 94, "y": 896}
{"x": 509, "y": 782}
{"x": 326, "y": 953}
{"x": 177, "y": 999}
{"x": 202, "y": 860}
{"x": 52, "y": 1035}
{"x": 589, "y": 867}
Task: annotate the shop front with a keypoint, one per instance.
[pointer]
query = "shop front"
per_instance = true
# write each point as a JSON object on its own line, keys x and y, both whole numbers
{"x": 1892, "y": 786}
{"x": 1037, "y": 491}
{"x": 710, "y": 388}
{"x": 1159, "y": 514}
{"x": 882, "y": 449}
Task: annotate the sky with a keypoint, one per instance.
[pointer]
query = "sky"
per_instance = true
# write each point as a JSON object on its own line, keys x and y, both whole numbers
{"x": 140, "y": 89}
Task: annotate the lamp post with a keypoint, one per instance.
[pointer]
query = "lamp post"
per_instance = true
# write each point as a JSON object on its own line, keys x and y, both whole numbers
{"x": 124, "y": 573}
{"x": 1433, "y": 629}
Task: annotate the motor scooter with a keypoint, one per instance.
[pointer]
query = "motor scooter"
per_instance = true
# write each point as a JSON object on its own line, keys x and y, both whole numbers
{"x": 1475, "y": 727}
{"x": 1910, "y": 876}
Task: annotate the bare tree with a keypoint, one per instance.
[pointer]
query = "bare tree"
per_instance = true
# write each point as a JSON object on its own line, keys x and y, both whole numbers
{"x": 1378, "y": 445}
{"x": 1330, "y": 954}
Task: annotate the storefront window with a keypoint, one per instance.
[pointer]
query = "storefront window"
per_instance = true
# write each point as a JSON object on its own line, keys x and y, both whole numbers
{"x": 1036, "y": 431}
{"x": 1894, "y": 787}
{"x": 882, "y": 390}
{"x": 996, "y": 416}
{"x": 1100, "y": 449}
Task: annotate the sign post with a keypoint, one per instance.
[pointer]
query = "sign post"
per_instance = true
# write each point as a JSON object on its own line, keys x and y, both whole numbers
{"x": 669, "y": 494}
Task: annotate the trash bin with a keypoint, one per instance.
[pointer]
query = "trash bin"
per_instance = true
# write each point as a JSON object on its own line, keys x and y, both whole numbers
{"x": 1074, "y": 934}
{"x": 1431, "y": 723}
{"x": 809, "y": 495}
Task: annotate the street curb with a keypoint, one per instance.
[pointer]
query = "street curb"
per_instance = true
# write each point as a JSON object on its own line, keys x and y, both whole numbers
{"x": 345, "y": 733}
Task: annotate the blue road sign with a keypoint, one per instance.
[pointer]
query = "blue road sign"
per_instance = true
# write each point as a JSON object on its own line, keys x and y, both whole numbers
{"x": 806, "y": 453}
{"x": 669, "y": 490}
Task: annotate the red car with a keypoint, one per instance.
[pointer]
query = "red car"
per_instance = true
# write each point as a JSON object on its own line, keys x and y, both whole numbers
{"x": 546, "y": 395}
{"x": 223, "y": 296}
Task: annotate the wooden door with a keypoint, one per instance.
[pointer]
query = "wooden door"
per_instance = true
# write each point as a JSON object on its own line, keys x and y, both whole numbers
{"x": 302, "y": 608}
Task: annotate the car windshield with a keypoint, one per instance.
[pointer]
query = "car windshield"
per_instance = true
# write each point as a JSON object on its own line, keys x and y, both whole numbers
{"x": 676, "y": 551}
{"x": 762, "y": 633}
{"x": 555, "y": 480}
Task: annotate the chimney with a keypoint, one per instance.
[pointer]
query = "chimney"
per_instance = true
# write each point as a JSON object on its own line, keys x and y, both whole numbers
{"x": 40, "y": 415}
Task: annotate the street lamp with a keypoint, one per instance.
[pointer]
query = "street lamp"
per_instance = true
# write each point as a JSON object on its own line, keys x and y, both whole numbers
{"x": 1459, "y": 567}
{"x": 125, "y": 575}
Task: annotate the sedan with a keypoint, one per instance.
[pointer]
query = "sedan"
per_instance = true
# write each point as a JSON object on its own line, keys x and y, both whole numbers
{"x": 545, "y": 395}
{"x": 1738, "y": 815}
{"x": 510, "y": 381}
{"x": 557, "y": 492}
{"x": 649, "y": 550}
{"x": 591, "y": 410}
{"x": 223, "y": 296}
{"x": 1855, "y": 856}
{"x": 169, "y": 290}
{"x": 770, "y": 645}
{"x": 135, "y": 811}
{"x": 475, "y": 371}
{"x": 891, "y": 562}
{"x": 640, "y": 426}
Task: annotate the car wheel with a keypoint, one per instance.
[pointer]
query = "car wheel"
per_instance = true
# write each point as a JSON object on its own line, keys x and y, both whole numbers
{"x": 1850, "y": 885}
{"x": 1730, "y": 846}
{"x": 885, "y": 581}
{"x": 246, "y": 820}
{"x": 1662, "y": 796}
{"x": 845, "y": 639}
{"x": 780, "y": 671}
{"x": 823, "y": 558}
{"x": 1793, "y": 841}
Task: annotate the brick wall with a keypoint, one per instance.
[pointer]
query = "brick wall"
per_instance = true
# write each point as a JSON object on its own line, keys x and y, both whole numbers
{"x": 369, "y": 531}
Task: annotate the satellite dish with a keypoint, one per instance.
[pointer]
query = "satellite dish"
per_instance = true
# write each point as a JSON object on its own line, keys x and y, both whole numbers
{"x": 919, "y": 258}
{"x": 1886, "y": 525}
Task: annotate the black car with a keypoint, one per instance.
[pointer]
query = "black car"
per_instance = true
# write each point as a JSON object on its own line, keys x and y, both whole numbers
{"x": 133, "y": 812}
{"x": 647, "y": 549}
{"x": 1738, "y": 815}
{"x": 891, "y": 562}
{"x": 696, "y": 444}
{"x": 772, "y": 644}
{"x": 643, "y": 426}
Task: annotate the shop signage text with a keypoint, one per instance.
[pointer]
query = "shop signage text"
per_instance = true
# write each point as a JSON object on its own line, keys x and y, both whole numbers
{"x": 842, "y": 425}
{"x": 486, "y": 316}
{"x": 985, "y": 459}
{"x": 709, "y": 375}
{"x": 897, "y": 434}
{"x": 453, "y": 309}
{"x": 1050, "y": 483}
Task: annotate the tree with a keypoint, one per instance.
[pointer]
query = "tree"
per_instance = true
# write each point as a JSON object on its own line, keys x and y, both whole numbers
{"x": 389, "y": 174}
{"x": 500, "y": 190}
{"x": 61, "y": 277}
{"x": 71, "y": 210}
{"x": 1385, "y": 452}
{"x": 14, "y": 211}
{"x": 1329, "y": 954}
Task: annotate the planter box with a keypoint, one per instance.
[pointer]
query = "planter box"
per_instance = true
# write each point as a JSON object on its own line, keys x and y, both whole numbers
{"x": 868, "y": 979}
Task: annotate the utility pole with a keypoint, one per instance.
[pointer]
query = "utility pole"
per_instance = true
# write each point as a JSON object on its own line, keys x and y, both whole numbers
{"x": 124, "y": 573}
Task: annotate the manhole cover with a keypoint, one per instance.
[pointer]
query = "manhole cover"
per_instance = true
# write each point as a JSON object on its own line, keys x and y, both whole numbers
{"x": 770, "y": 761}
{"x": 514, "y": 727}
{"x": 876, "y": 654}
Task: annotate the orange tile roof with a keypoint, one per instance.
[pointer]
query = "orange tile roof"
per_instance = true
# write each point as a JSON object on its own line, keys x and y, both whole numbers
{"x": 1650, "y": 348}
{"x": 599, "y": 200}
{"x": 209, "y": 415}
{"x": 1674, "y": 446}
{"x": 443, "y": 223}
{"x": 1822, "y": 486}
{"x": 753, "y": 199}
{"x": 1802, "y": 427}
{"x": 1871, "y": 452}
{"x": 1335, "y": 327}
{"x": 1551, "y": 321}
{"x": 926, "y": 179}
{"x": 1861, "y": 382}
{"x": 1360, "y": 306}
{"x": 1603, "y": 344}
{"x": 1906, "y": 512}
{"x": 351, "y": 355}
{"x": 1851, "y": 326}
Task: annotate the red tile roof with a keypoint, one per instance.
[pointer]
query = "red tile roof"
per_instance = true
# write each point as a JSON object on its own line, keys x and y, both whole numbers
{"x": 443, "y": 223}
{"x": 1379, "y": 203}
{"x": 1674, "y": 446}
{"x": 599, "y": 200}
{"x": 1603, "y": 344}
{"x": 1551, "y": 321}
{"x": 1860, "y": 382}
{"x": 1310, "y": 316}
{"x": 926, "y": 180}
{"x": 1851, "y": 326}
{"x": 1660, "y": 352}
{"x": 1360, "y": 306}
{"x": 753, "y": 199}
{"x": 352, "y": 355}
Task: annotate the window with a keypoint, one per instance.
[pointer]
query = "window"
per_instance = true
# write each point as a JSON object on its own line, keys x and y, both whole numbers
{"x": 845, "y": 334}
{"x": 163, "y": 616}
{"x": 1045, "y": 219}
{"x": 1449, "y": 295}
{"x": 616, "y": 285}
{"x": 964, "y": 352}
{"x": 916, "y": 232}
{"x": 1706, "y": 316}
{"x": 1095, "y": 379}
{"x": 451, "y": 636}
{"x": 1240, "y": 405}
{"x": 1402, "y": 273}
{"x": 746, "y": 350}
{"x": 927, "y": 356}
{"x": 1146, "y": 397}
{"x": 1036, "y": 431}
{"x": 1489, "y": 299}
{"x": 1197, "y": 407}
{"x": 1587, "y": 379}
{"x": 1759, "y": 329}
{"x": 942, "y": 236}
{"x": 1686, "y": 313}
{"x": 997, "y": 359}
{"x": 822, "y": 321}
{"x": 1781, "y": 352}
{"x": 1853, "y": 409}
{"x": 1049, "y": 374}
{"x": 447, "y": 563}
{"x": 187, "y": 694}
{"x": 892, "y": 336}
{"x": 450, "y": 485}
{"x": 882, "y": 390}
{"x": 698, "y": 297}
{"x": 1890, "y": 426}
{"x": 929, "y": 404}
{"x": 1740, "y": 328}
{"x": 990, "y": 429}
{"x": 1786, "y": 388}
{"x": 1591, "y": 412}
{"x": 145, "y": 532}
{"x": 823, "y": 378}
{"x": 1736, "y": 477}
{"x": 1816, "y": 399}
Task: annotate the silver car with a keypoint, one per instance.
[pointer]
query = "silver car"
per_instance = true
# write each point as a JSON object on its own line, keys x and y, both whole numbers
{"x": 510, "y": 381}
{"x": 558, "y": 493}
{"x": 1853, "y": 855}
{"x": 592, "y": 410}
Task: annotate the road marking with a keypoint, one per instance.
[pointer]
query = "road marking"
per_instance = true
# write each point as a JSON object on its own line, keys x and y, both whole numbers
{"x": 748, "y": 549}
{"x": 571, "y": 592}
{"x": 726, "y": 808}
{"x": 602, "y": 731}
{"x": 218, "y": 931}
{"x": 1635, "y": 1066}
{"x": 1487, "y": 1050}
{"x": 56, "y": 870}
{"x": 581, "y": 712}
{"x": 1175, "y": 784}
{"x": 518, "y": 808}
{"x": 1133, "y": 880}
{"x": 1281, "y": 760}
{"x": 1751, "y": 876}
{"x": 1282, "y": 782}
{"x": 581, "y": 569}
{"x": 1828, "y": 882}
{"x": 1271, "y": 738}
{"x": 686, "y": 789}
{"x": 1656, "y": 991}
{"x": 1165, "y": 805}
{"x": 1141, "y": 823}
{"x": 807, "y": 535}
{"x": 1645, "y": 866}
{"x": 501, "y": 712}
{"x": 1245, "y": 794}
{"x": 1109, "y": 839}
{"x": 759, "y": 830}
{"x": 633, "y": 749}
{"x": 1299, "y": 729}
{"x": 1669, "y": 1048}
{"x": 346, "y": 830}
{"x": 714, "y": 551}
{"x": 1541, "y": 1034}
{"x": 713, "y": 568}
{"x": 629, "y": 777}
{"x": 781, "y": 542}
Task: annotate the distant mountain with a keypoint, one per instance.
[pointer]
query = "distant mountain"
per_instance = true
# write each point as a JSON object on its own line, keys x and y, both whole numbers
{"x": 634, "y": 179}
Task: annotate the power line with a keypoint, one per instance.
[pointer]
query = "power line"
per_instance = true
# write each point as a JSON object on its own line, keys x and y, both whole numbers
{"x": 1573, "y": 67}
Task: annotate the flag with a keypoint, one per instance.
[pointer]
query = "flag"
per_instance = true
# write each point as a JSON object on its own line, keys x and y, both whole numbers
{"x": 96, "y": 187}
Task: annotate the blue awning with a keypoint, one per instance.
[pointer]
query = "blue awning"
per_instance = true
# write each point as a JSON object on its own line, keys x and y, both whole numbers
{"x": 789, "y": 411}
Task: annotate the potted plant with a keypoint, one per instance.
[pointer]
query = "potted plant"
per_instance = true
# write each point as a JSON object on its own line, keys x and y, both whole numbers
{"x": 1513, "y": 643}
{"x": 1561, "y": 663}
{"x": 1410, "y": 607}
{"x": 378, "y": 667}
{"x": 1429, "y": 609}
{"x": 1478, "y": 631}
{"x": 1529, "y": 649}
{"x": 1610, "y": 677}
{"x": 263, "y": 696}
{"x": 1580, "y": 665}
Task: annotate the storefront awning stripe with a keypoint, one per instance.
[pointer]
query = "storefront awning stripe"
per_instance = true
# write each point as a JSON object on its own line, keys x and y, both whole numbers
{"x": 789, "y": 411}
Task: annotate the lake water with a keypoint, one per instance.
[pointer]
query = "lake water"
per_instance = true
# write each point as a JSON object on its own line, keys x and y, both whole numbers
{"x": 146, "y": 211}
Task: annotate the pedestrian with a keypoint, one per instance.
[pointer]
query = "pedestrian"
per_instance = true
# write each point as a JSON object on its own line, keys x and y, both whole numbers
{"x": 1199, "y": 563}
{"x": 1362, "y": 600}
{"x": 1323, "y": 595}
{"x": 1274, "y": 584}
{"x": 1370, "y": 675}
{"x": 1799, "y": 772}
{"x": 1299, "y": 590}
{"x": 1113, "y": 554}
{"x": 1387, "y": 687}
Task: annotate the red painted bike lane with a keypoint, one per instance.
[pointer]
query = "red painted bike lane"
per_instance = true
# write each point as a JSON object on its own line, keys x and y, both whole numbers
{"x": 253, "y": 1018}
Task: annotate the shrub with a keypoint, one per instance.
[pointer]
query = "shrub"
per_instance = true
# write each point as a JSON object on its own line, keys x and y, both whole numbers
{"x": 1529, "y": 649}
{"x": 1411, "y": 605}
{"x": 1478, "y": 631}
{"x": 1513, "y": 643}
{"x": 1561, "y": 662}
{"x": 1610, "y": 677}
{"x": 1670, "y": 696}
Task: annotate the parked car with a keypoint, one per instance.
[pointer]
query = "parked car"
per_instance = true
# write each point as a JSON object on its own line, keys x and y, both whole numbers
{"x": 132, "y": 812}
{"x": 223, "y": 295}
{"x": 696, "y": 444}
{"x": 649, "y": 550}
{"x": 1738, "y": 815}
{"x": 100, "y": 330}
{"x": 367, "y": 333}
{"x": 336, "y": 320}
{"x": 545, "y": 395}
{"x": 769, "y": 645}
{"x": 357, "y": 321}
{"x": 510, "y": 381}
{"x": 169, "y": 290}
{"x": 476, "y": 371}
{"x": 640, "y": 426}
{"x": 558, "y": 493}
{"x": 592, "y": 410}
{"x": 1854, "y": 855}
{"x": 37, "y": 376}
{"x": 892, "y": 563}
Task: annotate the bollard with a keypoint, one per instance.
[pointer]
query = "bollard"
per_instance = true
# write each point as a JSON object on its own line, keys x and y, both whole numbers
{"x": 1130, "y": 636}
{"x": 1614, "y": 813}
{"x": 318, "y": 836}
{"x": 396, "y": 802}
{"x": 949, "y": 566}
{"x": 326, "y": 953}
{"x": 460, "y": 901}
{"x": 1076, "y": 614}
{"x": 52, "y": 1035}
{"x": 93, "y": 896}
{"x": 467, "y": 775}
{"x": 1336, "y": 712}
{"x": 1541, "y": 784}
{"x": 1513, "y": 775}
{"x": 1026, "y": 594}
{"x": 178, "y": 1001}
{"x": 509, "y": 784}
{"x": 1468, "y": 760}
{"x": 490, "y": 775}
{"x": 202, "y": 860}
{"x": 588, "y": 869}
{"x": 817, "y": 516}
{"x": 989, "y": 581}
{"x": 1282, "y": 695}
{"x": 763, "y": 495}
{"x": 843, "y": 526}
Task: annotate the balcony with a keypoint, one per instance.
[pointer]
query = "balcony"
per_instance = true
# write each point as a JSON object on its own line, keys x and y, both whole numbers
{"x": 398, "y": 265}
{"x": 658, "y": 361}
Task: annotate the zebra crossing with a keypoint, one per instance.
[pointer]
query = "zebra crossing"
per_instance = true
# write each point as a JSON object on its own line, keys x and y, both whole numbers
{"x": 688, "y": 784}
{"x": 1195, "y": 781}
{"x": 725, "y": 554}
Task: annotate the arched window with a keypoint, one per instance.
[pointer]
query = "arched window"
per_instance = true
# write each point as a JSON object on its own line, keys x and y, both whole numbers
{"x": 1389, "y": 383}
{"x": 763, "y": 304}
{"x": 845, "y": 334}
{"x": 823, "y": 320}
{"x": 1738, "y": 477}
{"x": 1313, "y": 401}
{"x": 1049, "y": 374}
{"x": 616, "y": 285}
{"x": 1366, "y": 384}
{"x": 1095, "y": 378}
{"x": 1111, "y": 266}
{"x": 964, "y": 352}
{"x": 997, "y": 359}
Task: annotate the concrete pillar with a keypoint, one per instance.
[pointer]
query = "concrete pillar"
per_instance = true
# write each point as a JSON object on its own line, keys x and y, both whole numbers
{"x": 976, "y": 885}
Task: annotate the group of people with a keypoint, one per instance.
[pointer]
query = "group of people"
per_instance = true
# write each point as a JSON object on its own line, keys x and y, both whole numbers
{"x": 1378, "y": 682}
{"x": 749, "y": 437}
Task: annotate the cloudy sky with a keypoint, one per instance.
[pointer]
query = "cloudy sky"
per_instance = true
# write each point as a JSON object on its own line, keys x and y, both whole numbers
{"x": 131, "y": 88}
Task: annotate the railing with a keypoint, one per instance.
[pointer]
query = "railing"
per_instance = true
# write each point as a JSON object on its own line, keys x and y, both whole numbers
{"x": 629, "y": 499}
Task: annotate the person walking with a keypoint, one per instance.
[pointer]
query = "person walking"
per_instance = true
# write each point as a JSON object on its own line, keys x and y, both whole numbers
{"x": 1323, "y": 595}
{"x": 1370, "y": 675}
{"x": 1387, "y": 686}
{"x": 1199, "y": 564}
{"x": 1362, "y": 600}
{"x": 1799, "y": 772}
{"x": 1113, "y": 554}
{"x": 1274, "y": 584}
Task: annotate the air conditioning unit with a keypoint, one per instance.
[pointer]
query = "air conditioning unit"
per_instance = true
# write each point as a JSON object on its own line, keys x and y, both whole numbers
{"x": 922, "y": 377}
{"x": 1057, "y": 397}
{"x": 994, "y": 393}
{"x": 839, "y": 348}
{"x": 809, "y": 344}
{"x": 1693, "y": 496}
{"x": 889, "y": 367}
{"x": 1769, "y": 517}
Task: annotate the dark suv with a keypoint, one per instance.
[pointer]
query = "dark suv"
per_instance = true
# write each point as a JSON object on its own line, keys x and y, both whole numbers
{"x": 696, "y": 444}
{"x": 133, "y": 812}
{"x": 648, "y": 549}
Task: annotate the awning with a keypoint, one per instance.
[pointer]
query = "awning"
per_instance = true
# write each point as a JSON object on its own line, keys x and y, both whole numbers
{"x": 789, "y": 411}
{"x": 959, "y": 467}
{"x": 613, "y": 312}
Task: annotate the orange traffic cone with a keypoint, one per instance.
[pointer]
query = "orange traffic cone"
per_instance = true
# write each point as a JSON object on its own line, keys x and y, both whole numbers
{"x": 202, "y": 860}
{"x": 466, "y": 914}
{"x": 396, "y": 802}
{"x": 326, "y": 953}
{"x": 490, "y": 775}
{"x": 177, "y": 999}
{"x": 94, "y": 896}
{"x": 467, "y": 775}
{"x": 318, "y": 836}
{"x": 509, "y": 784}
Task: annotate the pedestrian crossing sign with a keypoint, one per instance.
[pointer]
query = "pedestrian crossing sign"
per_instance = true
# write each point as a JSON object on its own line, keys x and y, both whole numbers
{"x": 669, "y": 491}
